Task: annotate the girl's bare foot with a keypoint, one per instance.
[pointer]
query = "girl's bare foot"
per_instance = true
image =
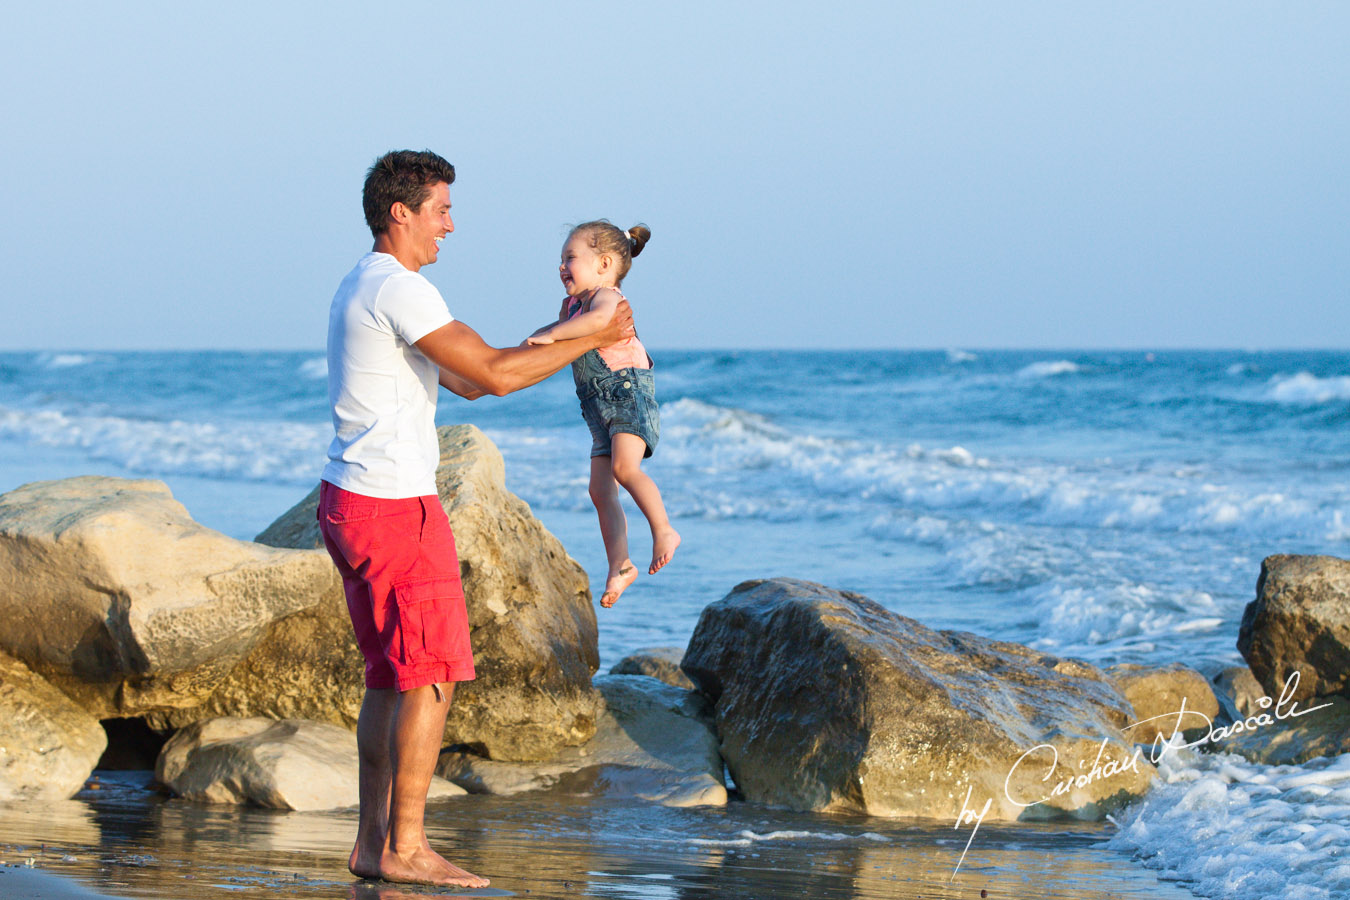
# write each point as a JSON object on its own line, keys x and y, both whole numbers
{"x": 618, "y": 582}
{"x": 663, "y": 548}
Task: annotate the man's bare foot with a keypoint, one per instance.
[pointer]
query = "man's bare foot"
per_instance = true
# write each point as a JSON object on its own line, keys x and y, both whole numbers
{"x": 617, "y": 583}
{"x": 364, "y": 864}
{"x": 663, "y": 548}
{"x": 426, "y": 866}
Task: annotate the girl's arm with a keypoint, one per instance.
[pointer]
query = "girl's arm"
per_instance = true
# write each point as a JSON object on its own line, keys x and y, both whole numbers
{"x": 592, "y": 320}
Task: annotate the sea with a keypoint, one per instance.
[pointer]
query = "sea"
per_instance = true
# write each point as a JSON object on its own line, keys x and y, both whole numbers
{"x": 1109, "y": 505}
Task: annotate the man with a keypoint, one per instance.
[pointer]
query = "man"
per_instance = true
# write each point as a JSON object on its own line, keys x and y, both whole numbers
{"x": 391, "y": 340}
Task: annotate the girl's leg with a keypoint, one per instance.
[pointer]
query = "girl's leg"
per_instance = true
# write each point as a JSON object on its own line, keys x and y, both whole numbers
{"x": 613, "y": 530}
{"x": 626, "y": 454}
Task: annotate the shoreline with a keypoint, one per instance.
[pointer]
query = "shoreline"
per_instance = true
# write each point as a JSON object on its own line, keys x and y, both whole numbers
{"x": 124, "y": 842}
{"x": 39, "y": 884}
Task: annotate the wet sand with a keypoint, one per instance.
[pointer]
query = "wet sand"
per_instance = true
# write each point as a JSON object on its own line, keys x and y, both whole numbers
{"x": 124, "y": 841}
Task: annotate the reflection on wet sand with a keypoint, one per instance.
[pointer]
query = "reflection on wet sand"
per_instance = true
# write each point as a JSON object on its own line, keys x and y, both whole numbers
{"x": 127, "y": 842}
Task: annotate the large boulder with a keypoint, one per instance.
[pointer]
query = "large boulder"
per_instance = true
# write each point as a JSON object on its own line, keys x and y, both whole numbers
{"x": 1300, "y": 622}
{"x": 1321, "y": 728}
{"x": 826, "y": 701}
{"x": 533, "y": 625}
{"x": 287, "y": 764}
{"x": 110, "y": 591}
{"x": 653, "y": 742}
{"x": 1238, "y": 692}
{"x": 304, "y": 666}
{"x": 661, "y": 663}
{"x": 48, "y": 745}
{"x": 1157, "y": 694}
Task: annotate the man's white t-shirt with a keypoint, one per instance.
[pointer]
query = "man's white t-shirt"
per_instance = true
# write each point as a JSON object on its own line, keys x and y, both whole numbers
{"x": 381, "y": 388}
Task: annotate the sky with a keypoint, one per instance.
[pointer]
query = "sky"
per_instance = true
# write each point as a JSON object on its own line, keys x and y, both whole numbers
{"x": 878, "y": 175}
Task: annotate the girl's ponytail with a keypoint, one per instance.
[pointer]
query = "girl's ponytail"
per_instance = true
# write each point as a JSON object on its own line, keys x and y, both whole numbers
{"x": 638, "y": 236}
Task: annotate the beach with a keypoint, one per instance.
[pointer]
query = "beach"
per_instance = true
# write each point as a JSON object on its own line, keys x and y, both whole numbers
{"x": 1110, "y": 507}
{"x": 122, "y": 841}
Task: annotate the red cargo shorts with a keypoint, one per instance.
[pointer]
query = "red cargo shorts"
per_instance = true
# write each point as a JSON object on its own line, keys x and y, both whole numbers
{"x": 400, "y": 573}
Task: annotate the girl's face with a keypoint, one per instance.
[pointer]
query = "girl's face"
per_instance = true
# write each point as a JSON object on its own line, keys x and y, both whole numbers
{"x": 582, "y": 268}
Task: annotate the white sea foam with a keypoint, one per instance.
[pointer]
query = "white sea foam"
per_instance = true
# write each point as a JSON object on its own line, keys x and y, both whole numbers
{"x": 63, "y": 360}
{"x": 315, "y": 368}
{"x": 1125, "y": 614}
{"x": 1306, "y": 389}
{"x": 955, "y": 356}
{"x": 747, "y": 838}
{"x": 1339, "y": 529}
{"x": 1241, "y": 831}
{"x": 1049, "y": 368}
{"x": 272, "y": 451}
{"x": 740, "y": 464}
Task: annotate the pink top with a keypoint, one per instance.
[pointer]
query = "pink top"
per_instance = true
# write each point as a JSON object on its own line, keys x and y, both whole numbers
{"x": 625, "y": 354}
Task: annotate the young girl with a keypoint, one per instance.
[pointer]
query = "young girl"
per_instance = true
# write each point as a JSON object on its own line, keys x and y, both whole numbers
{"x": 617, "y": 392}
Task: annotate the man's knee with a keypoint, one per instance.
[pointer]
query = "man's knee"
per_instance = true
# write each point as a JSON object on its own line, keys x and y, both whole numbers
{"x": 441, "y": 692}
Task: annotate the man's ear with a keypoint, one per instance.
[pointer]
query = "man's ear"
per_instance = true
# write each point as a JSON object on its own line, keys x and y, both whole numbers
{"x": 399, "y": 212}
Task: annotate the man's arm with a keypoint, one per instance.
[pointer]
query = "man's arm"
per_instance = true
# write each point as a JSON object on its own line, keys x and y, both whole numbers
{"x": 456, "y": 385}
{"x": 458, "y": 350}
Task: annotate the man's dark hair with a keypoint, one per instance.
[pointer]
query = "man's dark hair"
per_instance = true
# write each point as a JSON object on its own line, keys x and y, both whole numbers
{"x": 401, "y": 176}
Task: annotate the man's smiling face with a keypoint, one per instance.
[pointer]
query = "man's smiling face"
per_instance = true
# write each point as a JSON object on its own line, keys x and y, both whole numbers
{"x": 430, "y": 224}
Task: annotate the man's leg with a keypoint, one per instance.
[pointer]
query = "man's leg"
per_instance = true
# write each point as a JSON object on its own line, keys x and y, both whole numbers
{"x": 415, "y": 740}
{"x": 373, "y": 745}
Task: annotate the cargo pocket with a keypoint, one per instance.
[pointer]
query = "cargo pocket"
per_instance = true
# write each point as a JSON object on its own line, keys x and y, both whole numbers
{"x": 431, "y": 621}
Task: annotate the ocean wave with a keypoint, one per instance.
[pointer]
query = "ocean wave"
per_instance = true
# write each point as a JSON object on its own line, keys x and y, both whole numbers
{"x": 64, "y": 360}
{"x": 749, "y": 838}
{"x": 1049, "y": 369}
{"x": 251, "y": 451}
{"x": 1241, "y": 831}
{"x": 955, "y": 356}
{"x": 739, "y": 463}
{"x": 315, "y": 368}
{"x": 1338, "y": 529}
{"x": 1122, "y": 614}
{"x": 1306, "y": 389}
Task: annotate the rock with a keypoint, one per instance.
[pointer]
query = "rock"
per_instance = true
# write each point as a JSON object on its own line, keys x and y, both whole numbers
{"x": 305, "y": 666}
{"x": 1159, "y": 691}
{"x": 111, "y": 592}
{"x": 653, "y": 742}
{"x": 1300, "y": 622}
{"x": 1293, "y": 741}
{"x": 826, "y": 701}
{"x": 533, "y": 626}
{"x": 48, "y": 745}
{"x": 1237, "y": 691}
{"x": 661, "y": 663}
{"x": 288, "y": 764}
{"x": 479, "y": 775}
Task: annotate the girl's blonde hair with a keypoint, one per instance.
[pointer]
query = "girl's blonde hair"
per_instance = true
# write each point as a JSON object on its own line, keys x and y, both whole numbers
{"x": 604, "y": 237}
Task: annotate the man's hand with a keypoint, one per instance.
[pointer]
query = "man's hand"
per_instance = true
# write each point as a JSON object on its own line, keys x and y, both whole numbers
{"x": 620, "y": 327}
